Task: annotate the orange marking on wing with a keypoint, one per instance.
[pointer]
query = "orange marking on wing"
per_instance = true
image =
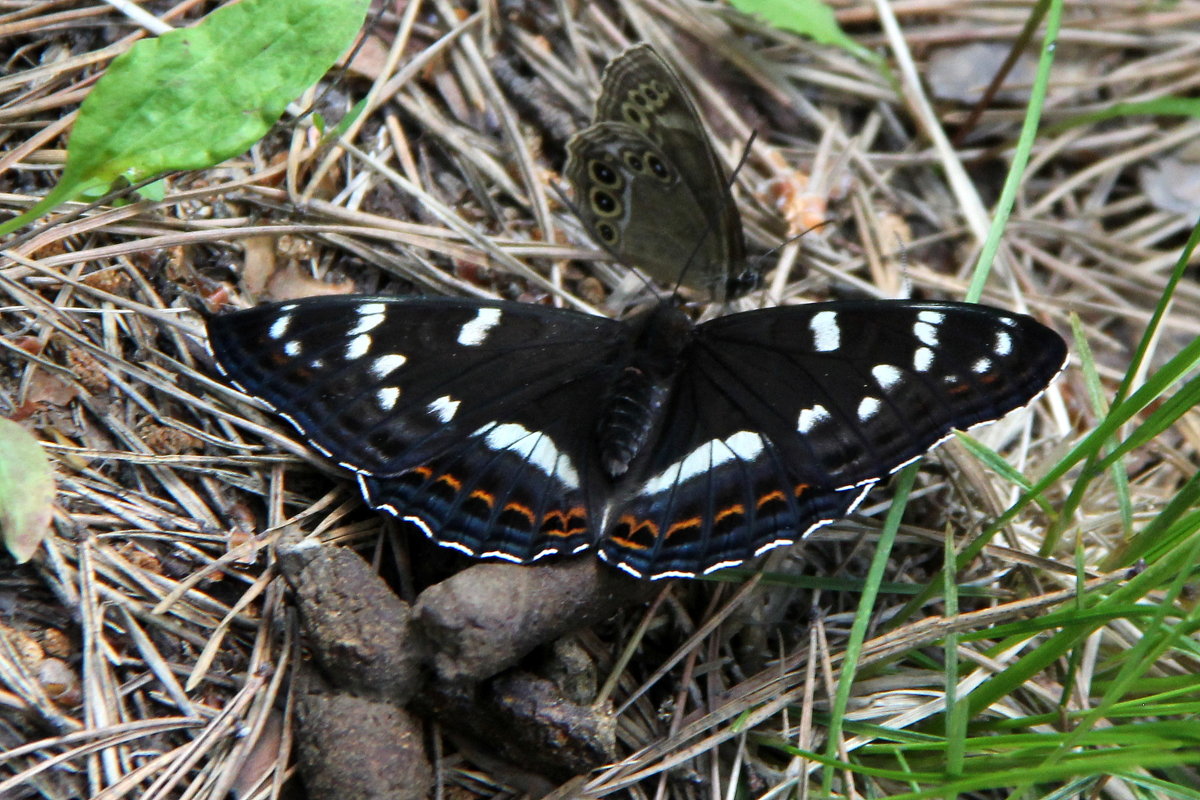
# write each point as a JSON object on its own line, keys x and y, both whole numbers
{"x": 736, "y": 508}
{"x": 454, "y": 483}
{"x": 486, "y": 497}
{"x": 959, "y": 388}
{"x": 694, "y": 522}
{"x": 628, "y": 544}
{"x": 569, "y": 522}
{"x": 577, "y": 521}
{"x": 800, "y": 489}
{"x": 517, "y": 508}
{"x": 768, "y": 497}
{"x": 634, "y": 527}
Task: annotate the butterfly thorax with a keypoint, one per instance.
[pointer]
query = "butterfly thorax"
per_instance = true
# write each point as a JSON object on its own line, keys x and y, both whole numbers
{"x": 639, "y": 393}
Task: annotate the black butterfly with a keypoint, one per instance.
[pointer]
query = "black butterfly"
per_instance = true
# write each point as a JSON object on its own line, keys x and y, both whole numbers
{"x": 519, "y": 431}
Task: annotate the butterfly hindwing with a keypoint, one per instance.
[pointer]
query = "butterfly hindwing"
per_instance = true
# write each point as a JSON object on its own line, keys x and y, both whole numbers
{"x": 504, "y": 492}
{"x": 623, "y": 184}
{"x": 461, "y": 416}
{"x": 641, "y": 90}
{"x": 781, "y": 419}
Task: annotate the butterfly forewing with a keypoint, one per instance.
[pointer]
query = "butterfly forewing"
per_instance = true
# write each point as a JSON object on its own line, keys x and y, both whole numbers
{"x": 462, "y": 416}
{"x": 780, "y": 420}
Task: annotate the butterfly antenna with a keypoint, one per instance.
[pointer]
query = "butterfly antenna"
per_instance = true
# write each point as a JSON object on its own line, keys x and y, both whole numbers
{"x": 712, "y": 222}
{"x": 759, "y": 258}
{"x": 791, "y": 239}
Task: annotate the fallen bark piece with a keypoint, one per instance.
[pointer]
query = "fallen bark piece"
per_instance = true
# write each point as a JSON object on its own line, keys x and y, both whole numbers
{"x": 486, "y": 618}
{"x": 361, "y": 633}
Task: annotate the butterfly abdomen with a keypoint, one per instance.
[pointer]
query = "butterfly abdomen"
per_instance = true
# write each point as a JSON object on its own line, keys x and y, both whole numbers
{"x": 628, "y": 420}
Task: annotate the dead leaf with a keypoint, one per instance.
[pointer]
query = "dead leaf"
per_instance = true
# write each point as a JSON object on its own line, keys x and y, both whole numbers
{"x": 56, "y": 643}
{"x": 292, "y": 283}
{"x": 168, "y": 441}
{"x": 1172, "y": 181}
{"x": 801, "y": 208}
{"x": 112, "y": 280}
{"x": 59, "y": 681}
{"x": 961, "y": 72}
{"x": 74, "y": 460}
{"x": 370, "y": 59}
{"x": 264, "y": 756}
{"x": 26, "y": 491}
{"x": 48, "y": 388}
{"x": 259, "y": 263}
{"x": 30, "y": 344}
{"x": 296, "y": 248}
{"x": 217, "y": 298}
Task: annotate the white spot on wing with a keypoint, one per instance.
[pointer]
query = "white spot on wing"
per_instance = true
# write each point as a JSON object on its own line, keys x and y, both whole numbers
{"x": 475, "y": 332}
{"x": 745, "y": 445}
{"x": 868, "y": 408}
{"x": 279, "y": 327}
{"x": 932, "y": 317}
{"x": 535, "y": 447}
{"x": 981, "y": 366}
{"x": 292, "y": 348}
{"x": 810, "y": 417}
{"x": 387, "y": 397}
{"x": 922, "y": 359}
{"x": 926, "y": 333}
{"x": 827, "y": 337}
{"x": 444, "y": 408}
{"x": 886, "y": 375}
{"x": 370, "y": 316}
{"x": 1003, "y": 344}
{"x": 358, "y": 346}
{"x": 386, "y": 365}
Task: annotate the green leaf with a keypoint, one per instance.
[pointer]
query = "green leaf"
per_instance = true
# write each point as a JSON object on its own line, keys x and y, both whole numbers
{"x": 809, "y": 18}
{"x": 195, "y": 97}
{"x": 26, "y": 491}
